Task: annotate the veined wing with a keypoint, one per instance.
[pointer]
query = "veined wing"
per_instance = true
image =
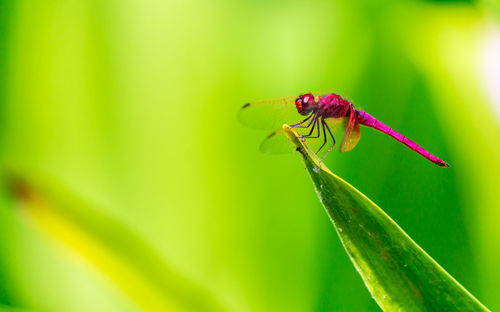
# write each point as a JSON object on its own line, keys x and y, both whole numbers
{"x": 276, "y": 143}
{"x": 352, "y": 133}
{"x": 271, "y": 114}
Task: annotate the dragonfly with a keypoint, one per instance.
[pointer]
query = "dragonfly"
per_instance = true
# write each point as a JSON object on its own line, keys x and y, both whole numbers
{"x": 320, "y": 115}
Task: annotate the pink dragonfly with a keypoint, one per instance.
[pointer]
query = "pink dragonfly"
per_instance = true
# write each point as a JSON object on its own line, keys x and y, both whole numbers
{"x": 324, "y": 113}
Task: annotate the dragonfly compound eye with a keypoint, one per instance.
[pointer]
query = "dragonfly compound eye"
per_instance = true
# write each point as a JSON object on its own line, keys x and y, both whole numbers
{"x": 305, "y": 104}
{"x": 298, "y": 104}
{"x": 308, "y": 99}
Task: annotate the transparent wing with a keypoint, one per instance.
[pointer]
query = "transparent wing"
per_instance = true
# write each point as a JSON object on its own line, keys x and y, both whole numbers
{"x": 271, "y": 114}
{"x": 276, "y": 143}
{"x": 352, "y": 134}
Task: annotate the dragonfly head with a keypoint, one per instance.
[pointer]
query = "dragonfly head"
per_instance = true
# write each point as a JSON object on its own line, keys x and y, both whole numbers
{"x": 305, "y": 104}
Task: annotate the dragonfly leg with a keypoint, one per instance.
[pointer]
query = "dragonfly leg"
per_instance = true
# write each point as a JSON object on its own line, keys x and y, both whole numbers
{"x": 329, "y": 131}
{"x": 333, "y": 144}
{"x": 319, "y": 130}
{"x": 315, "y": 120}
{"x": 309, "y": 124}
{"x": 309, "y": 136}
{"x": 324, "y": 134}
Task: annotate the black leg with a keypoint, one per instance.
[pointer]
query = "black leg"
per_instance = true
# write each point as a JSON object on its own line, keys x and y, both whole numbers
{"x": 297, "y": 124}
{"x": 331, "y": 147}
{"x": 329, "y": 131}
{"x": 318, "y": 134}
{"x": 324, "y": 134}
{"x": 315, "y": 121}
{"x": 308, "y": 125}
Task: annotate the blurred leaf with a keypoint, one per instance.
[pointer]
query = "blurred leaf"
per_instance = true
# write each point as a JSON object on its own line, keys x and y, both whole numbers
{"x": 135, "y": 267}
{"x": 398, "y": 273}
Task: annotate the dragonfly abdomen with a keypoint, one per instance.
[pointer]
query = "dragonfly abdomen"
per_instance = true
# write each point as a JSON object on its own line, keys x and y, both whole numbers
{"x": 368, "y": 120}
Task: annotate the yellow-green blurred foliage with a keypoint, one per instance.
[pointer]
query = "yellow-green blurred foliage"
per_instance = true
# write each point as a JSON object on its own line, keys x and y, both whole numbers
{"x": 130, "y": 108}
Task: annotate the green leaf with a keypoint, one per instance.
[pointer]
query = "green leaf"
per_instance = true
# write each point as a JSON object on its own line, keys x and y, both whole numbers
{"x": 399, "y": 274}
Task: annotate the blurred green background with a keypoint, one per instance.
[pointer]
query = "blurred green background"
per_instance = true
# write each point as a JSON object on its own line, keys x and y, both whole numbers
{"x": 145, "y": 193}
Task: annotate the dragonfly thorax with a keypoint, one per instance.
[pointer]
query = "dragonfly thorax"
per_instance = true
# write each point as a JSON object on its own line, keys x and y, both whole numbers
{"x": 305, "y": 104}
{"x": 334, "y": 106}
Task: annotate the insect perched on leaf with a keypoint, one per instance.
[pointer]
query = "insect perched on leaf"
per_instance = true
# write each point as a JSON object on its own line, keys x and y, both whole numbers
{"x": 324, "y": 113}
